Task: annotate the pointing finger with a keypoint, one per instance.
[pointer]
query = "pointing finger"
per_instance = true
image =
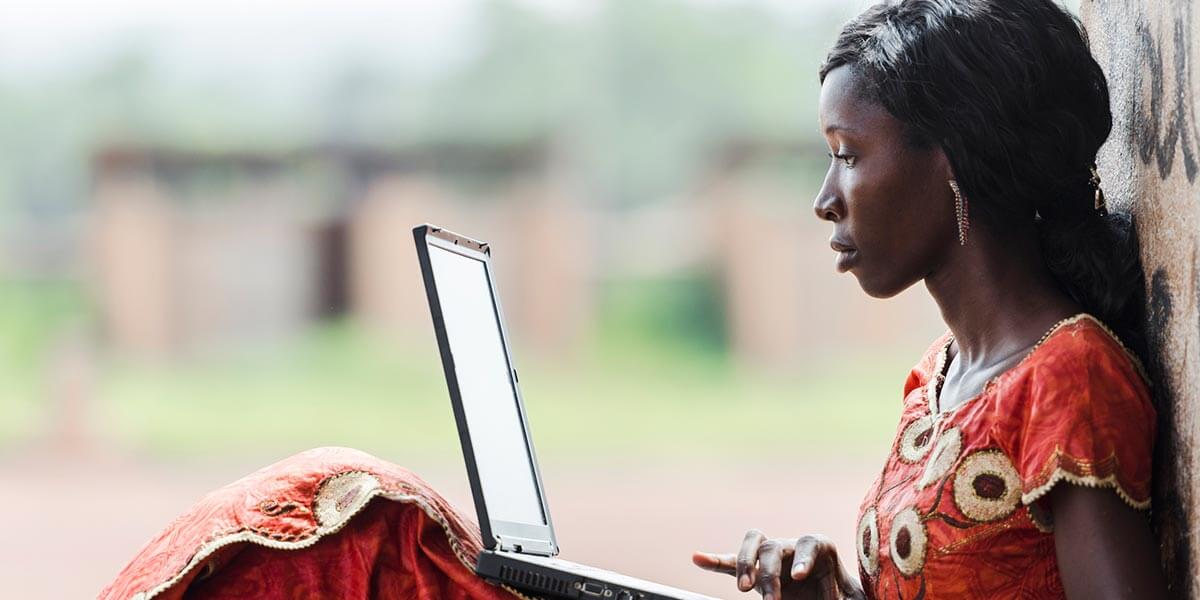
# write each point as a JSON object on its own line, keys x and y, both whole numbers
{"x": 719, "y": 563}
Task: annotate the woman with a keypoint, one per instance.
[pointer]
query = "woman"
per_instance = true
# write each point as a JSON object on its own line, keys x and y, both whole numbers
{"x": 963, "y": 138}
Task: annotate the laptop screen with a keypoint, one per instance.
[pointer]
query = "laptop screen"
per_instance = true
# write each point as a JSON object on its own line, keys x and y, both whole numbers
{"x": 486, "y": 386}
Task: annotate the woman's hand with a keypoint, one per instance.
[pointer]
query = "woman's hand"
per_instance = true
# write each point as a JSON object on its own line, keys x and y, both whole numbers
{"x": 785, "y": 569}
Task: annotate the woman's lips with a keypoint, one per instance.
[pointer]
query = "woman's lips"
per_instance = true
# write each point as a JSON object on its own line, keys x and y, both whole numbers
{"x": 846, "y": 259}
{"x": 847, "y": 255}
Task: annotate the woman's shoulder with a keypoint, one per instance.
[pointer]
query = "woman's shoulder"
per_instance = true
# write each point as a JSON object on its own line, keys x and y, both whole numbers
{"x": 1079, "y": 409}
{"x": 1078, "y": 351}
{"x": 1082, "y": 350}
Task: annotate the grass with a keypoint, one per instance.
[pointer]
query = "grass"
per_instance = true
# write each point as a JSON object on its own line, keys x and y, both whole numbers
{"x": 34, "y": 317}
{"x": 641, "y": 388}
{"x": 340, "y": 388}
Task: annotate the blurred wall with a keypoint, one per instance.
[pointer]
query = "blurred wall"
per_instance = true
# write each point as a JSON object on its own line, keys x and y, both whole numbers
{"x": 1150, "y": 165}
{"x": 195, "y": 250}
{"x": 542, "y": 254}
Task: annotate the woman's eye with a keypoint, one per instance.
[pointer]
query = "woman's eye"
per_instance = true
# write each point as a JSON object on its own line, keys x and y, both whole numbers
{"x": 845, "y": 158}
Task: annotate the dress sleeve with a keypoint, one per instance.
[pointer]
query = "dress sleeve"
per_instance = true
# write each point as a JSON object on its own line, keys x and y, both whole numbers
{"x": 1086, "y": 419}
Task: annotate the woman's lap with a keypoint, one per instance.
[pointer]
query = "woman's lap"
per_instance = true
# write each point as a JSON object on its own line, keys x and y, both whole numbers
{"x": 329, "y": 522}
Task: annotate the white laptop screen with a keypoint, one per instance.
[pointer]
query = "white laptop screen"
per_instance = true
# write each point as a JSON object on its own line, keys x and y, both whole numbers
{"x": 487, "y": 388}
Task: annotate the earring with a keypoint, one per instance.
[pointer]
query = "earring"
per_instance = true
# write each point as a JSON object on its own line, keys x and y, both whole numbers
{"x": 960, "y": 211}
{"x": 1100, "y": 206}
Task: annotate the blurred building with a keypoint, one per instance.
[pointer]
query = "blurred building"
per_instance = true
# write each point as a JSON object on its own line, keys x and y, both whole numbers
{"x": 197, "y": 250}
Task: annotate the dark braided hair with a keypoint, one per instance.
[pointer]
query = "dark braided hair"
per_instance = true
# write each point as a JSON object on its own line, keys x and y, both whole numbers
{"x": 1011, "y": 93}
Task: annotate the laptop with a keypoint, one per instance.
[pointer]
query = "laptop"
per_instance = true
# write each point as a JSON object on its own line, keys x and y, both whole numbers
{"x": 520, "y": 549}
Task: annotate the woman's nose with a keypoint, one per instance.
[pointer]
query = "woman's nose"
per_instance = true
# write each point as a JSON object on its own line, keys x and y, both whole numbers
{"x": 828, "y": 207}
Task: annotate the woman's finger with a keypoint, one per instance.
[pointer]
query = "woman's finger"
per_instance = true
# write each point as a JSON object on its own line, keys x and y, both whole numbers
{"x": 807, "y": 552}
{"x": 771, "y": 555}
{"x": 720, "y": 563}
{"x": 816, "y": 561}
{"x": 746, "y": 558}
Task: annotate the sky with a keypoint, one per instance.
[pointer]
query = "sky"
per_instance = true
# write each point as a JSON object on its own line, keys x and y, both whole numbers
{"x": 44, "y": 38}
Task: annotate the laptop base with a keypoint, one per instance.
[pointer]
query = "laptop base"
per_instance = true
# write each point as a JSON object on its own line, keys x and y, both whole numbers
{"x": 554, "y": 578}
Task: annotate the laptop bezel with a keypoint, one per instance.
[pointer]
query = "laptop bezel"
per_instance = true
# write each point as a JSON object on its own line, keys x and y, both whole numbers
{"x": 526, "y": 538}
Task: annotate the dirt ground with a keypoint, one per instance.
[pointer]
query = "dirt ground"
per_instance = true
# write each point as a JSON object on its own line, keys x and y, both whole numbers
{"x": 73, "y": 519}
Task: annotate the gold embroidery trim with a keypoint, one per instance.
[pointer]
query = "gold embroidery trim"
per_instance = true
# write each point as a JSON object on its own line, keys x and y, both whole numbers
{"x": 868, "y": 556}
{"x": 1091, "y": 481}
{"x": 947, "y": 449}
{"x": 909, "y": 452}
{"x": 399, "y": 494}
{"x": 1062, "y": 466}
{"x": 932, "y": 387}
{"x": 1042, "y": 526}
{"x": 1137, "y": 363}
{"x": 918, "y": 542}
{"x": 939, "y": 375}
{"x": 985, "y": 530}
{"x": 967, "y": 500}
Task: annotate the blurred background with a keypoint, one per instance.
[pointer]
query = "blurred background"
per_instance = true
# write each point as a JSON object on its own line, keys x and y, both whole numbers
{"x": 206, "y": 265}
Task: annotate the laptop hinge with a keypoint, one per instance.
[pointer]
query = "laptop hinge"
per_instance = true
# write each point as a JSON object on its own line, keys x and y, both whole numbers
{"x": 526, "y": 546}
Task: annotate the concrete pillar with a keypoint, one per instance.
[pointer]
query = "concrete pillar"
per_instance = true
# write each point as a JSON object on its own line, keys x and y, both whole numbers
{"x": 761, "y": 276}
{"x": 541, "y": 257}
{"x": 246, "y": 268}
{"x": 545, "y": 267}
{"x": 386, "y": 291}
{"x": 1151, "y": 165}
{"x": 183, "y": 273}
{"x": 131, "y": 263}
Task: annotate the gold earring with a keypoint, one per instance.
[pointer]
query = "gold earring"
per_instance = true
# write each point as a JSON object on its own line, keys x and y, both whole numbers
{"x": 960, "y": 211}
{"x": 1100, "y": 205}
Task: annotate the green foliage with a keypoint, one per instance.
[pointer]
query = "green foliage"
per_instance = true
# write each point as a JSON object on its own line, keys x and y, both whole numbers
{"x": 33, "y": 317}
{"x": 30, "y": 314}
{"x": 682, "y": 313}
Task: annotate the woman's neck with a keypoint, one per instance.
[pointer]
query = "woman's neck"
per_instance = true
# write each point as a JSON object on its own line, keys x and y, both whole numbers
{"x": 997, "y": 296}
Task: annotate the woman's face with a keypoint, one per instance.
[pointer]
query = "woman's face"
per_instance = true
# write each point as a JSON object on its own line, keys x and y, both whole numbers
{"x": 890, "y": 204}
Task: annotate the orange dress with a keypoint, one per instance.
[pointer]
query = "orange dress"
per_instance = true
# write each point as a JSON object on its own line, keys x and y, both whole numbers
{"x": 959, "y": 511}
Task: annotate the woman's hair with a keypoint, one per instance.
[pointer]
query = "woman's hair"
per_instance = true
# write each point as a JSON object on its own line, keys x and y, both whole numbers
{"x": 1010, "y": 92}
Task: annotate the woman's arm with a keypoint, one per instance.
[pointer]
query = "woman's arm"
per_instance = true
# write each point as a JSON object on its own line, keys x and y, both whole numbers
{"x": 1105, "y": 548}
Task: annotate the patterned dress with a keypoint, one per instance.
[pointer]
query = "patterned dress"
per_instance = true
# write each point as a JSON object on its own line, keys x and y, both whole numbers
{"x": 959, "y": 510}
{"x": 325, "y": 523}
